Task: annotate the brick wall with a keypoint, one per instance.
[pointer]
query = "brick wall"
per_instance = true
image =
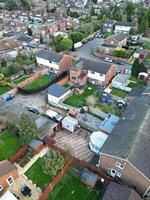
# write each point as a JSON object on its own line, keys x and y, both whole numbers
{"x": 63, "y": 81}
{"x": 129, "y": 174}
{"x": 18, "y": 154}
{"x": 65, "y": 63}
{"x": 50, "y": 186}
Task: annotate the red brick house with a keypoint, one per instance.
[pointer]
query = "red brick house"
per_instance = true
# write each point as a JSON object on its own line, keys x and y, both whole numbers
{"x": 8, "y": 174}
{"x": 56, "y": 62}
{"x": 77, "y": 75}
{"x": 125, "y": 155}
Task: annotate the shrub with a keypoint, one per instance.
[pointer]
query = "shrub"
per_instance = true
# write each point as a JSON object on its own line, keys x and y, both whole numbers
{"x": 120, "y": 52}
{"x": 3, "y": 83}
{"x": 1, "y": 77}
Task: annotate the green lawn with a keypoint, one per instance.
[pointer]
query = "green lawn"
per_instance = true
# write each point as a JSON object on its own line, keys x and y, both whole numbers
{"x": 69, "y": 86}
{"x": 70, "y": 188}
{"x": 35, "y": 173}
{"x": 119, "y": 93}
{"x": 78, "y": 100}
{"x": 136, "y": 82}
{"x": 9, "y": 144}
{"x": 21, "y": 79}
{"x": 39, "y": 82}
{"x": 4, "y": 89}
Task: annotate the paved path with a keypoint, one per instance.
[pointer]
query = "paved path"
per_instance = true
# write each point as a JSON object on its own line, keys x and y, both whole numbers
{"x": 75, "y": 143}
{"x": 32, "y": 161}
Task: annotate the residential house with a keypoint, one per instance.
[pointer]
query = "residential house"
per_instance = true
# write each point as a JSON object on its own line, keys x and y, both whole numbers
{"x": 125, "y": 154}
{"x": 78, "y": 75}
{"x": 124, "y": 27}
{"x": 8, "y": 174}
{"x": 140, "y": 53}
{"x": 108, "y": 26}
{"x": 56, "y": 62}
{"x": 58, "y": 93}
{"x": 99, "y": 73}
{"x": 117, "y": 40}
{"x": 117, "y": 191}
{"x": 25, "y": 39}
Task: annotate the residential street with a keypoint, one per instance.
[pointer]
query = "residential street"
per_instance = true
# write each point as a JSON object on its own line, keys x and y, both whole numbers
{"x": 86, "y": 52}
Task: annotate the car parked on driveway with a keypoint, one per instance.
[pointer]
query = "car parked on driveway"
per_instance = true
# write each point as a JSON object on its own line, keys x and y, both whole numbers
{"x": 33, "y": 110}
{"x": 8, "y": 97}
{"x": 108, "y": 59}
{"x": 54, "y": 115}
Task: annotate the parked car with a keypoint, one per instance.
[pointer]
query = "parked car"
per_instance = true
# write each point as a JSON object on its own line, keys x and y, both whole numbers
{"x": 8, "y": 97}
{"x": 108, "y": 59}
{"x": 33, "y": 110}
{"x": 50, "y": 74}
{"x": 119, "y": 62}
{"x": 54, "y": 115}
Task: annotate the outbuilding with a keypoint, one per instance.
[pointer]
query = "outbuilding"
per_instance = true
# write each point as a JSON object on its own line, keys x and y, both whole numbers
{"x": 89, "y": 178}
{"x": 70, "y": 123}
{"x": 58, "y": 93}
{"x": 36, "y": 145}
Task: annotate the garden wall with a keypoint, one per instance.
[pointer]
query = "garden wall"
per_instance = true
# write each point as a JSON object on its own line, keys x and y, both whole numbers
{"x": 49, "y": 188}
{"x": 18, "y": 154}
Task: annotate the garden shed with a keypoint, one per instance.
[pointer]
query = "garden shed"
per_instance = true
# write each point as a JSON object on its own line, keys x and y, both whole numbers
{"x": 70, "y": 123}
{"x": 58, "y": 93}
{"x": 36, "y": 145}
{"x": 89, "y": 178}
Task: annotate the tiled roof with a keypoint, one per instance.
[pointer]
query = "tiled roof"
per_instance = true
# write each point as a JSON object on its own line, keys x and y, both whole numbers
{"x": 50, "y": 55}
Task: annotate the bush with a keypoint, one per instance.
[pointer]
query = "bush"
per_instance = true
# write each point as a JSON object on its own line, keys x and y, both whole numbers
{"x": 3, "y": 83}
{"x": 1, "y": 77}
{"x": 120, "y": 52}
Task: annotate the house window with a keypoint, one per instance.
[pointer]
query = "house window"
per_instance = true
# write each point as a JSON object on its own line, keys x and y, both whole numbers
{"x": 119, "y": 165}
{"x": 92, "y": 72}
{"x": 1, "y": 187}
{"x": 73, "y": 78}
{"x": 10, "y": 180}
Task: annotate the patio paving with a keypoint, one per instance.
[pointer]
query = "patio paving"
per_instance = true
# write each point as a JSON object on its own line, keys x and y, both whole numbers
{"x": 16, "y": 188}
{"x": 75, "y": 143}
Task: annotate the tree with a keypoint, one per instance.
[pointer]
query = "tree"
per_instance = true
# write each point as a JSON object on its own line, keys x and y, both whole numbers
{"x": 52, "y": 163}
{"x": 41, "y": 39}
{"x": 27, "y": 129}
{"x": 66, "y": 44}
{"x": 135, "y": 68}
{"x": 56, "y": 43}
{"x": 92, "y": 11}
{"x": 120, "y": 52}
{"x": 133, "y": 31}
{"x": 76, "y": 37}
{"x": 129, "y": 10}
{"x": 143, "y": 25}
{"x": 29, "y": 31}
{"x": 142, "y": 68}
{"x": 4, "y": 62}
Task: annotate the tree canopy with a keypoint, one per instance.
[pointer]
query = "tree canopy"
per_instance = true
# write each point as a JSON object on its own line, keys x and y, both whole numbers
{"x": 27, "y": 129}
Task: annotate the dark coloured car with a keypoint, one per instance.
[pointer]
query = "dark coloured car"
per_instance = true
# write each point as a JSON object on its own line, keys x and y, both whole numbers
{"x": 119, "y": 62}
{"x": 33, "y": 110}
{"x": 8, "y": 97}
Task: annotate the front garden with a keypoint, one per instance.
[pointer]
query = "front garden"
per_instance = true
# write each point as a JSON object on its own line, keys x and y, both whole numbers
{"x": 79, "y": 100}
{"x": 134, "y": 82}
{"x": 22, "y": 78}
{"x": 9, "y": 145}
{"x": 26, "y": 157}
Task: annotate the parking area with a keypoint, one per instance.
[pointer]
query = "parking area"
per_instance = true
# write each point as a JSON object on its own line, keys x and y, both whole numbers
{"x": 16, "y": 188}
{"x": 75, "y": 143}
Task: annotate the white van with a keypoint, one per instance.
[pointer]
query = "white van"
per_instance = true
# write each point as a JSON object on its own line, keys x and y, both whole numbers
{"x": 54, "y": 115}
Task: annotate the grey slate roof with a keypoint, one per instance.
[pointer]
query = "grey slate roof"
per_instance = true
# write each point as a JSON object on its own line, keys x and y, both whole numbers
{"x": 6, "y": 167}
{"x": 130, "y": 138}
{"x": 25, "y": 38}
{"x": 50, "y": 55}
{"x": 100, "y": 67}
{"x": 35, "y": 143}
{"x": 116, "y": 191}
{"x": 89, "y": 177}
{"x": 57, "y": 90}
{"x": 119, "y": 37}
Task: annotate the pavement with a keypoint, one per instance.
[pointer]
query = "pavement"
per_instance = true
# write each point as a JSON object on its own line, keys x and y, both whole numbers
{"x": 16, "y": 188}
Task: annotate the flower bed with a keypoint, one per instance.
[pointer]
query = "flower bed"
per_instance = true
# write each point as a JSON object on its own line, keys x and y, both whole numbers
{"x": 25, "y": 158}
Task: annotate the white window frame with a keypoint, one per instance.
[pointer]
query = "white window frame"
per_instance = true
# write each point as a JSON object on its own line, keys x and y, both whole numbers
{"x": 1, "y": 187}
{"x": 8, "y": 181}
{"x": 113, "y": 174}
{"x": 118, "y": 164}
